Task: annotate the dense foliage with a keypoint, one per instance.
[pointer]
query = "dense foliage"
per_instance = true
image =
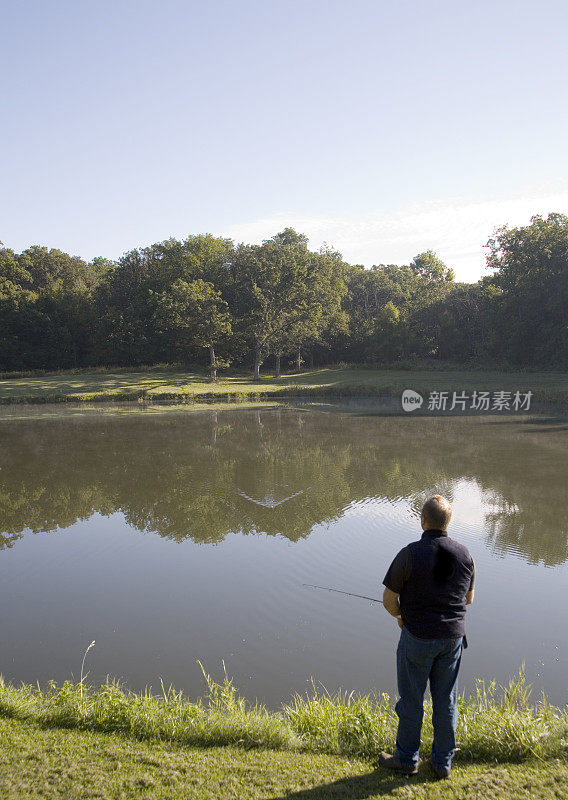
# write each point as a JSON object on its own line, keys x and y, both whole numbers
{"x": 207, "y": 300}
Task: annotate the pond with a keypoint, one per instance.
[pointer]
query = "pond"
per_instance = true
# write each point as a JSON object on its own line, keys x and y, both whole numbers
{"x": 170, "y": 537}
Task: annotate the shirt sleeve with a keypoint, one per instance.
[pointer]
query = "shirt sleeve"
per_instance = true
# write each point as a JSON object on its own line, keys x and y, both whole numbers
{"x": 472, "y": 582}
{"x": 398, "y": 572}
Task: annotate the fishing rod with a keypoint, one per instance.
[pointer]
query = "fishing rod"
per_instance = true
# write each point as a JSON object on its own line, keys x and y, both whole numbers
{"x": 363, "y": 597}
{"x": 340, "y": 591}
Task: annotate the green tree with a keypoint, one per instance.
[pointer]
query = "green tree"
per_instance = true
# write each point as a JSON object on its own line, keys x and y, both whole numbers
{"x": 195, "y": 313}
{"x": 13, "y": 276}
{"x": 531, "y": 270}
{"x": 427, "y": 265}
{"x": 49, "y": 268}
{"x": 125, "y": 299}
{"x": 15, "y": 300}
{"x": 201, "y": 256}
{"x": 271, "y": 280}
{"x": 321, "y": 314}
{"x": 288, "y": 293}
{"x": 370, "y": 291}
{"x": 433, "y": 282}
{"x": 387, "y": 338}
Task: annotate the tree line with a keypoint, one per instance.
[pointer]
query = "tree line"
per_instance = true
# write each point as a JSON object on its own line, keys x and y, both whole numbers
{"x": 206, "y": 300}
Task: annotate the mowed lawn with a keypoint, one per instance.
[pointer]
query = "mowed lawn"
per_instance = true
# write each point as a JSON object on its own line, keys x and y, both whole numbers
{"x": 45, "y": 762}
{"x": 192, "y": 386}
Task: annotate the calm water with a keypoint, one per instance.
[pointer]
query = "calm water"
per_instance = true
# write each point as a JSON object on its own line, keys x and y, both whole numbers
{"x": 170, "y": 537}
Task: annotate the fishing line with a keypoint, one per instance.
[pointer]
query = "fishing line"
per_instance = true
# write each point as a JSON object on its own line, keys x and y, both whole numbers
{"x": 340, "y": 591}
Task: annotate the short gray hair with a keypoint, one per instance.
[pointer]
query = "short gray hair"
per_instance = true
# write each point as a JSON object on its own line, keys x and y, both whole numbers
{"x": 437, "y": 511}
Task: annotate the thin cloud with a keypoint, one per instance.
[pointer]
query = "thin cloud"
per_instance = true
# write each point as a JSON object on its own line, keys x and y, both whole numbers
{"x": 456, "y": 229}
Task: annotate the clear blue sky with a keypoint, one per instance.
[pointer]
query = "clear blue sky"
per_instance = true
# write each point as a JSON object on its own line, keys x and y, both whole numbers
{"x": 384, "y": 128}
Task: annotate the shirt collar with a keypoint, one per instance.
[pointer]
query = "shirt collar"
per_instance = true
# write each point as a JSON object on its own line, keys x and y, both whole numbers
{"x": 433, "y": 533}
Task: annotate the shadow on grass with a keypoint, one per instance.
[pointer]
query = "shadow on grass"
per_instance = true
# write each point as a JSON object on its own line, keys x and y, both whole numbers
{"x": 359, "y": 787}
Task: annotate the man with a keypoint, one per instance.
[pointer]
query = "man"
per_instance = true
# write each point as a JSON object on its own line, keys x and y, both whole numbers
{"x": 427, "y": 588}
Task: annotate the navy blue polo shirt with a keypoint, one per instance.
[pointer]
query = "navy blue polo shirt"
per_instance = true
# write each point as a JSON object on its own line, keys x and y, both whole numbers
{"x": 431, "y": 577}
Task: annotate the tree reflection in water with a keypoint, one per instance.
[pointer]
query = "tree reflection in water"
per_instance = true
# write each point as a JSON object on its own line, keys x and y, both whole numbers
{"x": 204, "y": 475}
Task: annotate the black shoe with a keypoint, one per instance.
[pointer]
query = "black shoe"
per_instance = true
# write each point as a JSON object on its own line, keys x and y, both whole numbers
{"x": 441, "y": 772}
{"x": 392, "y": 762}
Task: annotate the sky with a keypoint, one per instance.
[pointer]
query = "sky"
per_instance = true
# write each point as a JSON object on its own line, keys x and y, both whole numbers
{"x": 381, "y": 128}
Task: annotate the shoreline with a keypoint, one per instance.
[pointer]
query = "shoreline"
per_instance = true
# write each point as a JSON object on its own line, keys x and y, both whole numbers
{"x": 495, "y": 722}
{"x": 109, "y": 743}
{"x": 189, "y": 388}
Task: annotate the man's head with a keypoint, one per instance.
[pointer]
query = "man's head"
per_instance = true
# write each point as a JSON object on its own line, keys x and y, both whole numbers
{"x": 436, "y": 513}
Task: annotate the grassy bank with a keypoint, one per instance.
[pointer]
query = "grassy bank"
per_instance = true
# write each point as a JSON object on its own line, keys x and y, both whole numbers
{"x": 493, "y": 724}
{"x": 48, "y": 762}
{"x": 190, "y": 387}
{"x": 72, "y": 742}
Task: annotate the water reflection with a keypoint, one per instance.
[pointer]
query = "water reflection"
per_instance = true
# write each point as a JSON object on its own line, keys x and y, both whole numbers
{"x": 202, "y": 476}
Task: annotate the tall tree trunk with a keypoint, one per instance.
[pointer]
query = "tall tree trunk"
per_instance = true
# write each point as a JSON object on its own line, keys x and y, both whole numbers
{"x": 256, "y": 376}
{"x": 311, "y": 360}
{"x": 277, "y": 370}
{"x": 298, "y": 360}
{"x": 212, "y": 364}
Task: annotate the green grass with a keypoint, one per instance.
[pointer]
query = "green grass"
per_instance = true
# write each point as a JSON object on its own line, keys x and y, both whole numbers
{"x": 493, "y": 724}
{"x": 44, "y": 762}
{"x": 108, "y": 743}
{"x": 190, "y": 387}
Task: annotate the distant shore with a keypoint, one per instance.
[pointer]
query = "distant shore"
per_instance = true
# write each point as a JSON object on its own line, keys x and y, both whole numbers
{"x": 186, "y": 387}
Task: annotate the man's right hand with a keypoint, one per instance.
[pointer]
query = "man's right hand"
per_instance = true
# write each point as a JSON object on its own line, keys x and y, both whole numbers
{"x": 390, "y": 602}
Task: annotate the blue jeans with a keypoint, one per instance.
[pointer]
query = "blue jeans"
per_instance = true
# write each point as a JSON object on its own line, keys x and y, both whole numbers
{"x": 418, "y": 660}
